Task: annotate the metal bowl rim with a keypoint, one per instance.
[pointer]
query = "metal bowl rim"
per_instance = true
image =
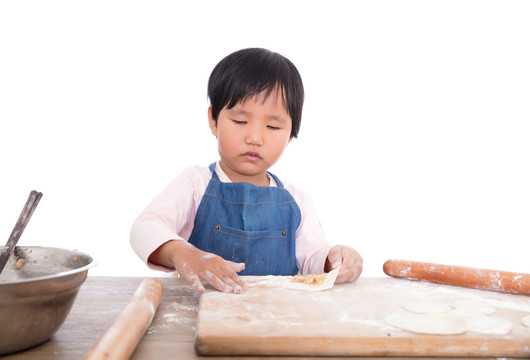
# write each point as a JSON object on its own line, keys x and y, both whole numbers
{"x": 57, "y": 275}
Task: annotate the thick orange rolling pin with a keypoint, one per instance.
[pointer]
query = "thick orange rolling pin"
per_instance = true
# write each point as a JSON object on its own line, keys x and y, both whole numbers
{"x": 502, "y": 281}
{"x": 122, "y": 336}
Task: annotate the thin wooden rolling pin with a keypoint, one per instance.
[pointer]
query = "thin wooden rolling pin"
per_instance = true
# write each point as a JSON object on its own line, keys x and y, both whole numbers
{"x": 501, "y": 281}
{"x": 122, "y": 336}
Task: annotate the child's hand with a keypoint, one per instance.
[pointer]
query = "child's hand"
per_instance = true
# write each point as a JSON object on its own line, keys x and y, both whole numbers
{"x": 349, "y": 259}
{"x": 195, "y": 265}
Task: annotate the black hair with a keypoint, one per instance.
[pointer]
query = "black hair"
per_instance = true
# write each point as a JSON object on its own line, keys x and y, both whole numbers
{"x": 249, "y": 72}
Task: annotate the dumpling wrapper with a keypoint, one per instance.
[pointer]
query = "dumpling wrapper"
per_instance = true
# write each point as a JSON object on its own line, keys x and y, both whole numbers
{"x": 474, "y": 305}
{"x": 427, "y": 307}
{"x": 489, "y": 325}
{"x": 328, "y": 283}
{"x": 526, "y": 321}
{"x": 438, "y": 324}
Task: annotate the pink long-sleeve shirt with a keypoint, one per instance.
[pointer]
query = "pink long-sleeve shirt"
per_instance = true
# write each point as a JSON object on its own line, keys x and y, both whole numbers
{"x": 171, "y": 214}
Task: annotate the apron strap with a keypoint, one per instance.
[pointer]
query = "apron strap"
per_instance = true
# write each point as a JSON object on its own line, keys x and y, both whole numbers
{"x": 214, "y": 174}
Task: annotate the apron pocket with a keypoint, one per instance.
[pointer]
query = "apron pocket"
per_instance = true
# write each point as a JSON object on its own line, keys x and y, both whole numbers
{"x": 263, "y": 252}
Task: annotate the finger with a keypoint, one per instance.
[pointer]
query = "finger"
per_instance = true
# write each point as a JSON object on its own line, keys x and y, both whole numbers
{"x": 239, "y": 282}
{"x": 215, "y": 280}
{"x": 358, "y": 267}
{"x": 233, "y": 283}
{"x": 237, "y": 267}
{"x": 356, "y": 264}
{"x": 345, "y": 273}
{"x": 220, "y": 274}
{"x": 187, "y": 273}
{"x": 196, "y": 283}
{"x": 346, "y": 270}
{"x": 335, "y": 257}
{"x": 231, "y": 272}
{"x": 351, "y": 269}
{"x": 348, "y": 257}
{"x": 231, "y": 278}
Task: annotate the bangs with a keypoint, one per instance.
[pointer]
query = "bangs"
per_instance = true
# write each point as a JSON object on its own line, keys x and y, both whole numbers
{"x": 259, "y": 93}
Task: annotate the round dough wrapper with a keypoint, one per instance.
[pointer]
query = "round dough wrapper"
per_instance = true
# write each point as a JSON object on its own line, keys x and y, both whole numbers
{"x": 526, "y": 321}
{"x": 474, "y": 305}
{"x": 427, "y": 307}
{"x": 465, "y": 313}
{"x": 438, "y": 324}
{"x": 489, "y": 325}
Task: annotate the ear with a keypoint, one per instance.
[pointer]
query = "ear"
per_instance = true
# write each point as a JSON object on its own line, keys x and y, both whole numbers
{"x": 212, "y": 121}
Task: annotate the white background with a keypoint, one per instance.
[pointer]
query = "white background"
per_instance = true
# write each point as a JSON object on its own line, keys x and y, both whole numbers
{"x": 414, "y": 140}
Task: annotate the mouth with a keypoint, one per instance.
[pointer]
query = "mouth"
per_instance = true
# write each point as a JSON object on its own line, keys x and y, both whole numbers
{"x": 252, "y": 156}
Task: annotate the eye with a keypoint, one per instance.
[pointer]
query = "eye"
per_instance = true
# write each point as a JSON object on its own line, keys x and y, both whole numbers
{"x": 273, "y": 127}
{"x": 239, "y": 122}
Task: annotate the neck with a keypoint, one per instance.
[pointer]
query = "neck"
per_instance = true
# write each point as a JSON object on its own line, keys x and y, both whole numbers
{"x": 261, "y": 179}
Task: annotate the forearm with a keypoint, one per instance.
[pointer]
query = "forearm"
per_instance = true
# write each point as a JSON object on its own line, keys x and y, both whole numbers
{"x": 165, "y": 254}
{"x": 169, "y": 216}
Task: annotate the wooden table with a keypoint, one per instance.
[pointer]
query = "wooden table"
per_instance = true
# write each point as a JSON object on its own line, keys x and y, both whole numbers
{"x": 101, "y": 299}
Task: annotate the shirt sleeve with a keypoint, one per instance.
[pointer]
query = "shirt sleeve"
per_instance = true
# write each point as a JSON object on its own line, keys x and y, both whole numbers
{"x": 312, "y": 246}
{"x": 170, "y": 215}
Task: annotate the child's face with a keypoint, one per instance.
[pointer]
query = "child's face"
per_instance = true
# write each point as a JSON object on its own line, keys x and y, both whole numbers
{"x": 251, "y": 137}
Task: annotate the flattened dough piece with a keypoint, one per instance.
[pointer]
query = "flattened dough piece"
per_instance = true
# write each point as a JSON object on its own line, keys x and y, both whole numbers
{"x": 489, "y": 325}
{"x": 465, "y": 313}
{"x": 526, "y": 321}
{"x": 474, "y": 305}
{"x": 427, "y": 307}
{"x": 328, "y": 282}
{"x": 438, "y": 324}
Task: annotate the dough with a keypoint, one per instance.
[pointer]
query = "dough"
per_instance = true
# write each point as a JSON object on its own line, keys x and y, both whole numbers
{"x": 427, "y": 307}
{"x": 440, "y": 324}
{"x": 474, "y": 305}
{"x": 489, "y": 325}
{"x": 526, "y": 321}
{"x": 465, "y": 313}
{"x": 307, "y": 283}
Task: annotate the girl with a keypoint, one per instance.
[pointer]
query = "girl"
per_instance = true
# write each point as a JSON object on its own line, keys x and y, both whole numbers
{"x": 234, "y": 216}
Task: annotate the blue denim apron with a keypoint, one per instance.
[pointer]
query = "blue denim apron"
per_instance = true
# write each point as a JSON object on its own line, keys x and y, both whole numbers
{"x": 243, "y": 222}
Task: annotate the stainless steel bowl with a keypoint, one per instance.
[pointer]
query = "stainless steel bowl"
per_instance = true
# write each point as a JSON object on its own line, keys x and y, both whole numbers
{"x": 35, "y": 298}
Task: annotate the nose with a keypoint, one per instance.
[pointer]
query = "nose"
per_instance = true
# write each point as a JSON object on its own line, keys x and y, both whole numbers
{"x": 254, "y": 136}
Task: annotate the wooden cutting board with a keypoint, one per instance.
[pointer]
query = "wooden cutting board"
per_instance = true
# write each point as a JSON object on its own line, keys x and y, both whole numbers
{"x": 348, "y": 320}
